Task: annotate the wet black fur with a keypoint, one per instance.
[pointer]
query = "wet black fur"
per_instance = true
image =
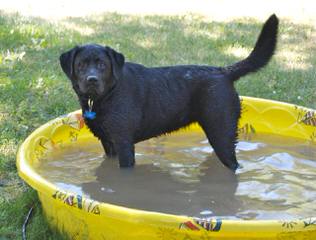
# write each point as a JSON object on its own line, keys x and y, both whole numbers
{"x": 140, "y": 102}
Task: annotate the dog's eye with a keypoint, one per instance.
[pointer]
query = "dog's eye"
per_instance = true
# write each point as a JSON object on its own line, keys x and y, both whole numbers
{"x": 101, "y": 65}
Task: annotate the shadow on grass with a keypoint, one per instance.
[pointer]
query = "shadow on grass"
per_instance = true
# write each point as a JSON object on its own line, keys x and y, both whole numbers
{"x": 33, "y": 88}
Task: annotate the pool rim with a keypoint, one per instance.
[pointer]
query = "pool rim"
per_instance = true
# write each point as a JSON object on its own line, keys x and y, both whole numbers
{"x": 40, "y": 184}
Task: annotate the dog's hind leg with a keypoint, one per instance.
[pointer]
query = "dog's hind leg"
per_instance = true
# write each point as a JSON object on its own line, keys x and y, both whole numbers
{"x": 223, "y": 141}
{"x": 126, "y": 153}
{"x": 220, "y": 128}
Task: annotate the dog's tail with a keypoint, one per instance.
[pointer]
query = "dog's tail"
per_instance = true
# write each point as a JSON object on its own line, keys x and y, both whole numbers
{"x": 260, "y": 55}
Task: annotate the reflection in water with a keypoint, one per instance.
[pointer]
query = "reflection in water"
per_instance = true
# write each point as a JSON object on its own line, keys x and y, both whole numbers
{"x": 180, "y": 174}
{"x": 150, "y": 188}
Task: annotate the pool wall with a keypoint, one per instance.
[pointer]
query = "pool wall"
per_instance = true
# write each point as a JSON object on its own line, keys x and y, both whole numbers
{"x": 82, "y": 218}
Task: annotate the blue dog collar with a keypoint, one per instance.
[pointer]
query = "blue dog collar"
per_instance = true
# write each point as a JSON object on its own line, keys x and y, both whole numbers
{"x": 89, "y": 115}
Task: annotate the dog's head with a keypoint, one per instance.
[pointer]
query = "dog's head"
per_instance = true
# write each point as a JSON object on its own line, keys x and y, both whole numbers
{"x": 92, "y": 69}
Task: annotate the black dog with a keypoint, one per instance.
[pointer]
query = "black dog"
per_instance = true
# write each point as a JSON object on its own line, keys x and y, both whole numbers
{"x": 124, "y": 103}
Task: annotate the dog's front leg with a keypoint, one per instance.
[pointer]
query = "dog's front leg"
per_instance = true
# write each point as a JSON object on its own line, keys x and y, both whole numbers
{"x": 126, "y": 153}
{"x": 109, "y": 148}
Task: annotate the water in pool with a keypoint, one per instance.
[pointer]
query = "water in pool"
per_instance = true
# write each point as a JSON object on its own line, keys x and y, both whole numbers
{"x": 180, "y": 174}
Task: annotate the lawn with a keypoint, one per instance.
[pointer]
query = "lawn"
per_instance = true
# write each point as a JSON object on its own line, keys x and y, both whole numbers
{"x": 33, "y": 88}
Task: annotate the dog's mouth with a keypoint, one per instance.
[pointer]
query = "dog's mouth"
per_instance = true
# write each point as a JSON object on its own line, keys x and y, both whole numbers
{"x": 93, "y": 90}
{"x": 93, "y": 94}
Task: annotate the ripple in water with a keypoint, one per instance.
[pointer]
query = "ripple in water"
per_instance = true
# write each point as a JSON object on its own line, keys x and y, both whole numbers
{"x": 180, "y": 174}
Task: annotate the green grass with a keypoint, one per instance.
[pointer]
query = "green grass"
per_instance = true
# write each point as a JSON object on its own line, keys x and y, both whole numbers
{"x": 33, "y": 88}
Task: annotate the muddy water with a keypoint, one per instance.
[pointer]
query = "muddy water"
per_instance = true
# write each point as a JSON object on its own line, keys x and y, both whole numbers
{"x": 180, "y": 174}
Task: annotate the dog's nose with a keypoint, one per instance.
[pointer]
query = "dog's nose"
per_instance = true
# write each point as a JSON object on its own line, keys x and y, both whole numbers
{"x": 92, "y": 79}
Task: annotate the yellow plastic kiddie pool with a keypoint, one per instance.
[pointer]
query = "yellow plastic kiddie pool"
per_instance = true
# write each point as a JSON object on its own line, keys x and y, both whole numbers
{"x": 82, "y": 218}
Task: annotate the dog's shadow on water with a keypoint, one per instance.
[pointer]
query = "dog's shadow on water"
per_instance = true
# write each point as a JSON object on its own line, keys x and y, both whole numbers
{"x": 148, "y": 187}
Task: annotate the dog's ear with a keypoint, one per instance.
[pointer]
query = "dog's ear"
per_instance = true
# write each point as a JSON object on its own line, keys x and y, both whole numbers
{"x": 117, "y": 61}
{"x": 67, "y": 61}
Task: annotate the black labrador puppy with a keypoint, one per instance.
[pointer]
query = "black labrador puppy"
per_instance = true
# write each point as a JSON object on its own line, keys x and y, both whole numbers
{"x": 124, "y": 103}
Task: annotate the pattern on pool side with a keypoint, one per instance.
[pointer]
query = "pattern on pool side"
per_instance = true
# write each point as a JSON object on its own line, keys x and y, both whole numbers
{"x": 309, "y": 222}
{"x": 246, "y": 131}
{"x": 75, "y": 121}
{"x": 298, "y": 121}
{"x": 212, "y": 224}
{"x": 188, "y": 225}
{"x": 306, "y": 117}
{"x": 77, "y": 201}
